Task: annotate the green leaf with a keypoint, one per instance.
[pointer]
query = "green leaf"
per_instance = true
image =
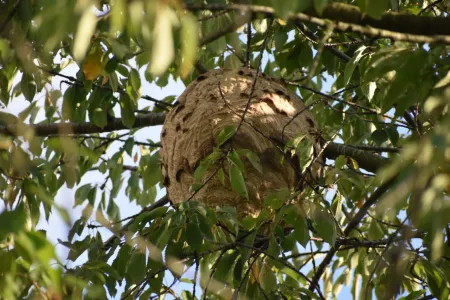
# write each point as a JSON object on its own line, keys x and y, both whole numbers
{"x": 233, "y": 40}
{"x": 413, "y": 295}
{"x": 237, "y": 181}
{"x": 351, "y": 65}
{"x": 205, "y": 227}
{"x": 272, "y": 201}
{"x": 385, "y": 60}
{"x": 375, "y": 8}
{"x": 195, "y": 187}
{"x": 252, "y": 158}
{"x": 304, "y": 56}
{"x": 82, "y": 193}
{"x": 284, "y": 8}
{"x": 27, "y": 111}
{"x": 232, "y": 62}
{"x": 150, "y": 169}
{"x": 234, "y": 158}
{"x": 319, "y": 5}
{"x": 305, "y": 152}
{"x": 128, "y": 106}
{"x": 135, "y": 79}
{"x": 408, "y": 86}
{"x": 98, "y": 106}
{"x": 298, "y": 221}
{"x": 280, "y": 37}
{"x": 221, "y": 176}
{"x": 340, "y": 161}
{"x": 136, "y": 267}
{"x": 267, "y": 277}
{"x": 74, "y": 104}
{"x": 379, "y": 136}
{"x": 111, "y": 65}
{"x": 226, "y": 133}
{"x": 155, "y": 213}
{"x": 122, "y": 258}
{"x": 325, "y": 227}
{"x": 193, "y": 236}
{"x": 369, "y": 90}
{"x": 225, "y": 267}
{"x": 28, "y": 87}
{"x": 393, "y": 135}
{"x": 435, "y": 279}
{"x": 11, "y": 222}
{"x": 277, "y": 199}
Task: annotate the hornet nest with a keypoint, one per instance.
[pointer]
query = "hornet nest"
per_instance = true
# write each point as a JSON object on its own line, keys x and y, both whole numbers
{"x": 217, "y": 99}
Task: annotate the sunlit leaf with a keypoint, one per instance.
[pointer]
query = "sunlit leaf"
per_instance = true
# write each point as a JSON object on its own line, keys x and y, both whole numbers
{"x": 85, "y": 30}
{"x": 163, "y": 51}
{"x": 189, "y": 33}
{"x": 225, "y": 134}
{"x": 92, "y": 65}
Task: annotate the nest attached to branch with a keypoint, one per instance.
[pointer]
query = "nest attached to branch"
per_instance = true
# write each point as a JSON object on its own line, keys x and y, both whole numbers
{"x": 218, "y": 99}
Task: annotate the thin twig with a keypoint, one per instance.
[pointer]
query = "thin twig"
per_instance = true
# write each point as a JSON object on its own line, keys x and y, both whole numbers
{"x": 197, "y": 265}
{"x": 351, "y": 225}
{"x": 249, "y": 39}
{"x": 258, "y": 69}
{"x": 213, "y": 270}
{"x": 120, "y": 91}
{"x": 161, "y": 202}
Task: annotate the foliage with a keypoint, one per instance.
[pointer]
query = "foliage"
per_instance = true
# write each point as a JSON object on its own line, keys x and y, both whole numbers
{"x": 382, "y": 92}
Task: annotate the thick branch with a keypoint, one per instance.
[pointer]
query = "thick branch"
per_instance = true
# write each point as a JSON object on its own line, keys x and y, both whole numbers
{"x": 231, "y": 27}
{"x": 365, "y": 159}
{"x": 419, "y": 29}
{"x": 409, "y": 24}
{"x": 49, "y": 129}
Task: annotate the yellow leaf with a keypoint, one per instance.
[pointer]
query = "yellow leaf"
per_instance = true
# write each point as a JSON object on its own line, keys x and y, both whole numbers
{"x": 281, "y": 22}
{"x": 254, "y": 273}
{"x": 92, "y": 66}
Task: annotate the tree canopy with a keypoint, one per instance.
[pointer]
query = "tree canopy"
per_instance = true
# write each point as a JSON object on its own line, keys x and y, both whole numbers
{"x": 374, "y": 73}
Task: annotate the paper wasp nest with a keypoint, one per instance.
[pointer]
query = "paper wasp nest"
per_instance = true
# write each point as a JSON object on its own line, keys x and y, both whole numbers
{"x": 217, "y": 99}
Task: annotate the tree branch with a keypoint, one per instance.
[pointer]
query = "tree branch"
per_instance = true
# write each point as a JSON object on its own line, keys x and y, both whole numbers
{"x": 351, "y": 225}
{"x": 49, "y": 129}
{"x": 231, "y": 27}
{"x": 402, "y": 27}
{"x": 159, "y": 203}
{"x": 313, "y": 38}
{"x": 365, "y": 159}
{"x": 408, "y": 24}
